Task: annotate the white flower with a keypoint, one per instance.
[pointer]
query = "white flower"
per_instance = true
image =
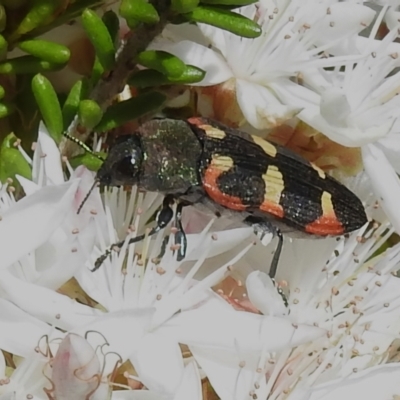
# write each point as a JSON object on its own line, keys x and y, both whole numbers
{"x": 351, "y": 296}
{"x": 357, "y": 104}
{"x": 295, "y": 33}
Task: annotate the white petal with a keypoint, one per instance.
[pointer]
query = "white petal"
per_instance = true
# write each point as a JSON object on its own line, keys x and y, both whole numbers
{"x": 46, "y": 160}
{"x": 46, "y": 304}
{"x": 343, "y": 20}
{"x": 227, "y": 328}
{"x": 260, "y": 106}
{"x": 384, "y": 180}
{"x": 28, "y": 185}
{"x": 390, "y": 145}
{"x": 264, "y": 295}
{"x": 159, "y": 363}
{"x": 20, "y": 333}
{"x": 378, "y": 383}
{"x": 334, "y": 107}
{"x": 31, "y": 221}
{"x": 224, "y": 241}
{"x": 190, "y": 387}
{"x": 217, "y": 71}
{"x": 232, "y": 375}
{"x": 123, "y": 330}
{"x": 136, "y": 395}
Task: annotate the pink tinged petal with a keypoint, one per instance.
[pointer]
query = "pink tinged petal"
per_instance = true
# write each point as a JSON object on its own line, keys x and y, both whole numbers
{"x": 45, "y": 304}
{"x": 217, "y": 70}
{"x": 31, "y": 221}
{"x": 384, "y": 181}
{"x": 123, "y": 330}
{"x": 261, "y": 107}
{"x": 20, "y": 332}
{"x": 377, "y": 383}
{"x": 264, "y": 295}
{"x": 76, "y": 371}
{"x": 159, "y": 363}
{"x": 46, "y": 168}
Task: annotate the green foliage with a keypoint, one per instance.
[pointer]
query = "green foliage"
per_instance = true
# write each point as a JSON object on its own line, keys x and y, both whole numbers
{"x": 27, "y": 96}
{"x": 135, "y": 11}
{"x": 49, "y": 105}
{"x": 12, "y": 161}
{"x": 225, "y": 19}
{"x": 100, "y": 37}
{"x": 129, "y": 110}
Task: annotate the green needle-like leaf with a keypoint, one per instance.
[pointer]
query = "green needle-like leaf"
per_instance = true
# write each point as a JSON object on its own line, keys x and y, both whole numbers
{"x": 163, "y": 62}
{"x": 46, "y": 50}
{"x": 71, "y": 104}
{"x": 49, "y": 106}
{"x": 150, "y": 77}
{"x": 129, "y": 110}
{"x": 224, "y": 19}
{"x": 12, "y": 161}
{"x": 27, "y": 65}
{"x": 183, "y": 6}
{"x": 100, "y": 37}
{"x": 138, "y": 10}
{"x": 89, "y": 113}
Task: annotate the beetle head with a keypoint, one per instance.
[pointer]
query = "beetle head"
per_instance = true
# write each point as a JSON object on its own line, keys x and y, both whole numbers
{"x": 123, "y": 163}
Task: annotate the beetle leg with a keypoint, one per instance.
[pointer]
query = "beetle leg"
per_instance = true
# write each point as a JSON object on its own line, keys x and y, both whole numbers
{"x": 180, "y": 237}
{"x": 261, "y": 227}
{"x": 163, "y": 218}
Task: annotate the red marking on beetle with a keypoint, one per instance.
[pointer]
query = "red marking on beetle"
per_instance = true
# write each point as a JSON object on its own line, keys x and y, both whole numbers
{"x": 325, "y": 225}
{"x": 198, "y": 121}
{"x": 210, "y": 184}
{"x": 272, "y": 208}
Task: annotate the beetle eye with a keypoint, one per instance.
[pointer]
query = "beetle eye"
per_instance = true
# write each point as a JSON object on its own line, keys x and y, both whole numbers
{"x": 128, "y": 167}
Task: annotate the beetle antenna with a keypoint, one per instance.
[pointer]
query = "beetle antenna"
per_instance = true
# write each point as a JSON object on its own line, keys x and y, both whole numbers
{"x": 82, "y": 145}
{"x": 96, "y": 181}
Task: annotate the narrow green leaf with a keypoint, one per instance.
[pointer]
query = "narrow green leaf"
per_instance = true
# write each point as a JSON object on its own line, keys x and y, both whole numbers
{"x": 88, "y": 160}
{"x": 163, "y": 62}
{"x": 111, "y": 21}
{"x": 3, "y": 46}
{"x": 227, "y": 20}
{"x": 100, "y": 37}
{"x": 138, "y": 10}
{"x": 27, "y": 65}
{"x": 3, "y": 18}
{"x": 6, "y": 109}
{"x": 40, "y": 13}
{"x": 11, "y": 160}
{"x": 46, "y": 50}
{"x": 97, "y": 72}
{"x": 150, "y": 77}
{"x": 183, "y": 6}
{"x": 89, "y": 113}
{"x": 2, "y": 92}
{"x": 49, "y": 106}
{"x": 234, "y": 3}
{"x": 70, "y": 107}
{"x": 129, "y": 110}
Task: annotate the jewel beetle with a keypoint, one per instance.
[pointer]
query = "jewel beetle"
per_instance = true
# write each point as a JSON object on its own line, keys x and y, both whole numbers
{"x": 204, "y": 163}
